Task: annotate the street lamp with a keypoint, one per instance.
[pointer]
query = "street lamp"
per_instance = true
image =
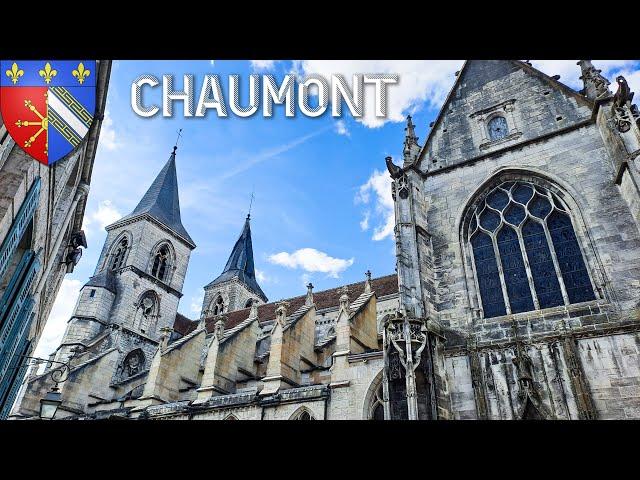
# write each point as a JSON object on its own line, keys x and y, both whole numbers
{"x": 50, "y": 403}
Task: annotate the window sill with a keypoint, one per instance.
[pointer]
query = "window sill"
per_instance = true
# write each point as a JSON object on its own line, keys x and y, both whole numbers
{"x": 494, "y": 143}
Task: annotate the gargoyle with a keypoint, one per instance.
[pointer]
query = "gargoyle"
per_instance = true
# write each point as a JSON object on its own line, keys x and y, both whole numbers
{"x": 394, "y": 170}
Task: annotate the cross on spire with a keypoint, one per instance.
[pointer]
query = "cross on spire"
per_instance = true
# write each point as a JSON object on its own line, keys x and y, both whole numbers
{"x": 251, "y": 203}
{"x": 175, "y": 147}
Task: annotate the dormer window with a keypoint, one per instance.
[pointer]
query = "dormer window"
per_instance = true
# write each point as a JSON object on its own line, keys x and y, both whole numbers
{"x": 497, "y": 128}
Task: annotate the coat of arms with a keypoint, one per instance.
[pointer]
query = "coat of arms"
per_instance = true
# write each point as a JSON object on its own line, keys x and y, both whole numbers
{"x": 47, "y": 106}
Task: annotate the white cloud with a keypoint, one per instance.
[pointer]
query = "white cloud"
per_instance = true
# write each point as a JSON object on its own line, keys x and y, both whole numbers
{"x": 263, "y": 278}
{"x": 311, "y": 260}
{"x": 105, "y": 215}
{"x": 420, "y": 81}
{"x": 108, "y": 133}
{"x": 262, "y": 64}
{"x": 196, "y": 303}
{"x": 341, "y": 128}
{"x": 60, "y": 314}
{"x": 569, "y": 70}
{"x": 379, "y": 184}
{"x": 212, "y": 63}
{"x": 364, "y": 223}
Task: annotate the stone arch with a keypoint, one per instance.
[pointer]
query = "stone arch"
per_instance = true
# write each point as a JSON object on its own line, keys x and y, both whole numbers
{"x": 231, "y": 416}
{"x": 162, "y": 261}
{"x": 374, "y": 398}
{"x": 219, "y": 304}
{"x": 302, "y": 413}
{"x": 118, "y": 251}
{"x": 570, "y": 202}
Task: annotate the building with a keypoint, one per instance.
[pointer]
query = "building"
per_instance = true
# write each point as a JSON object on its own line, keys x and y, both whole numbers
{"x": 41, "y": 212}
{"x": 517, "y": 293}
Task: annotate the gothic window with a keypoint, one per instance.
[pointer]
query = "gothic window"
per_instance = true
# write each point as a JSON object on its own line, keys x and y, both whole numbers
{"x": 497, "y": 128}
{"x": 218, "y": 306}
{"x": 133, "y": 364}
{"x": 117, "y": 259}
{"x": 160, "y": 263}
{"x": 525, "y": 251}
{"x": 377, "y": 409}
{"x": 146, "y": 312}
{"x": 249, "y": 303}
{"x": 303, "y": 415}
{"x": 231, "y": 417}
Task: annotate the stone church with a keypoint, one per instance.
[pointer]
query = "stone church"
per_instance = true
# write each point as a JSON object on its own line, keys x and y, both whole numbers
{"x": 516, "y": 296}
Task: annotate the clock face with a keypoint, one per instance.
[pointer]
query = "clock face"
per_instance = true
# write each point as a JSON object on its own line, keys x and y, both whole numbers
{"x": 497, "y": 128}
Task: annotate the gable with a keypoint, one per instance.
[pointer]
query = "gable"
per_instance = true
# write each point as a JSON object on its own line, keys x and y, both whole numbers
{"x": 532, "y": 103}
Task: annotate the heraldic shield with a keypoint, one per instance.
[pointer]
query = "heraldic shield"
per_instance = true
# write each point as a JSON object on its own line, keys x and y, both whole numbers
{"x": 48, "y": 106}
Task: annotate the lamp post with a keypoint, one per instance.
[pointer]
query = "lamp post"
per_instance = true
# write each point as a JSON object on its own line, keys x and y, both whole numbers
{"x": 53, "y": 399}
{"x": 50, "y": 403}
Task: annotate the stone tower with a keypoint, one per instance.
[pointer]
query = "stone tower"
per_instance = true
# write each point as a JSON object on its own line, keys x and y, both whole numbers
{"x": 138, "y": 280}
{"x": 236, "y": 287}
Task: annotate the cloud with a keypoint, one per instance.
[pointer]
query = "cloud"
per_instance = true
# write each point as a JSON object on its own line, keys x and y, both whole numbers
{"x": 212, "y": 63}
{"x": 570, "y": 72}
{"x": 108, "y": 133}
{"x": 364, "y": 223}
{"x": 263, "y": 278}
{"x": 196, "y": 303}
{"x": 311, "y": 260}
{"x": 379, "y": 184}
{"x": 105, "y": 215}
{"x": 341, "y": 128}
{"x": 271, "y": 153}
{"x": 60, "y": 314}
{"x": 420, "y": 81}
{"x": 262, "y": 65}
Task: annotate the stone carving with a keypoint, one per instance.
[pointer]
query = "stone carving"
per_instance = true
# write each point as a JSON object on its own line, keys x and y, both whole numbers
{"x": 133, "y": 363}
{"x": 590, "y": 74}
{"x": 624, "y": 112}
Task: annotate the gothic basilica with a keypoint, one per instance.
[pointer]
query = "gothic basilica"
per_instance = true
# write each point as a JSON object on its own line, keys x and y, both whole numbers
{"x": 517, "y": 292}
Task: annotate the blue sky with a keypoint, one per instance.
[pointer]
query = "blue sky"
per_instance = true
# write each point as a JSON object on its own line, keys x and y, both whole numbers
{"x": 322, "y": 210}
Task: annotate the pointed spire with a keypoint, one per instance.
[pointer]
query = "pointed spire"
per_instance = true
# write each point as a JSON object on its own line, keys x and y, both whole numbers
{"x": 595, "y": 85}
{"x": 161, "y": 200}
{"x": 411, "y": 148}
{"x": 240, "y": 264}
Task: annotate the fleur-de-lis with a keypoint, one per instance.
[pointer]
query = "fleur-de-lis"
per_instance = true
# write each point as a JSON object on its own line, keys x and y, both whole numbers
{"x": 15, "y": 73}
{"x": 48, "y": 73}
{"x": 81, "y": 73}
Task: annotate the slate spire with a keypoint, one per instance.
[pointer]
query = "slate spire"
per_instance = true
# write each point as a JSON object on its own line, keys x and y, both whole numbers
{"x": 161, "y": 200}
{"x": 240, "y": 264}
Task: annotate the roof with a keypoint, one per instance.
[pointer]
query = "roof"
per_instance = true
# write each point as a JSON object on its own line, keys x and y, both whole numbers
{"x": 381, "y": 286}
{"x": 240, "y": 264}
{"x": 104, "y": 279}
{"x": 161, "y": 200}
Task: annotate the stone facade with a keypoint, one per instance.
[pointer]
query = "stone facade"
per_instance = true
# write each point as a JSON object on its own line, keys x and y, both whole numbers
{"x": 41, "y": 212}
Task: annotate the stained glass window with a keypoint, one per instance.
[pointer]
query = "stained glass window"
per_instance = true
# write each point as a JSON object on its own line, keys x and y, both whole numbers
{"x": 538, "y": 255}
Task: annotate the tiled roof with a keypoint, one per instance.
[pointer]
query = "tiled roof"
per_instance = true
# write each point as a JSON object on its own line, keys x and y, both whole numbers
{"x": 381, "y": 286}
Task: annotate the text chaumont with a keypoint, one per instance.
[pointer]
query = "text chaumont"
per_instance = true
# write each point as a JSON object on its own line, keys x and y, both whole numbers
{"x": 311, "y": 95}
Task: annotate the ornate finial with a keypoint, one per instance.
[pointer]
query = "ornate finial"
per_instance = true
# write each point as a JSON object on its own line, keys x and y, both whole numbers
{"x": 309, "y": 299}
{"x": 595, "y": 85}
{"x": 253, "y": 313}
{"x": 165, "y": 334}
{"x": 411, "y": 132}
{"x": 218, "y": 329}
{"x": 411, "y": 148}
{"x": 367, "y": 283}
{"x": 344, "y": 298}
{"x": 281, "y": 312}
